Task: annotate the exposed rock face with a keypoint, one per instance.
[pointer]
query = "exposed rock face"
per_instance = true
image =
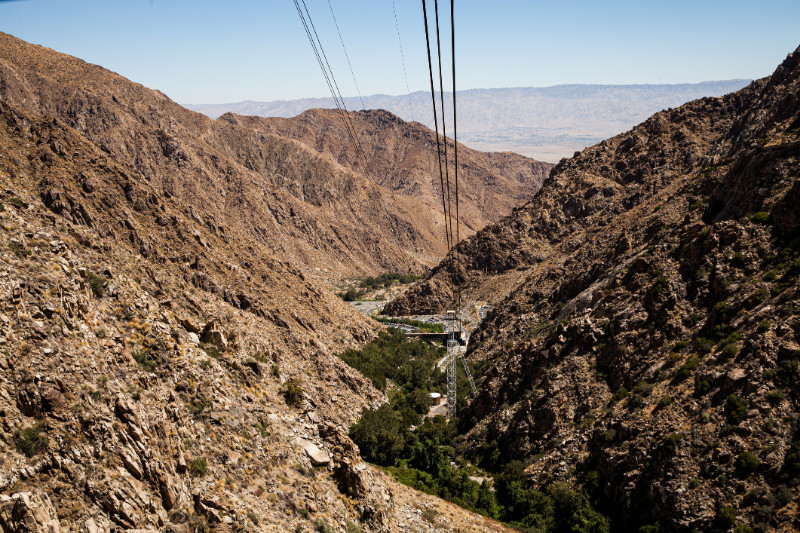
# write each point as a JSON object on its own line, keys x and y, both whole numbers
{"x": 28, "y": 512}
{"x": 144, "y": 349}
{"x": 244, "y": 185}
{"x": 665, "y": 261}
{"x": 401, "y": 157}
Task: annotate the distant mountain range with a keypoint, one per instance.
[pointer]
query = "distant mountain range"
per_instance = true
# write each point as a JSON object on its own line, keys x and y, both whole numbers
{"x": 546, "y": 123}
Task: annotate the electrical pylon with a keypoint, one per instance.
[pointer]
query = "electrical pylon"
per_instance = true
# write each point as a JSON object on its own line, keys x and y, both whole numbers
{"x": 453, "y": 329}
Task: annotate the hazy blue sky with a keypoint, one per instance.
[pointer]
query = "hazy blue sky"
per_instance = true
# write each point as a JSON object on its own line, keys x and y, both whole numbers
{"x": 199, "y": 51}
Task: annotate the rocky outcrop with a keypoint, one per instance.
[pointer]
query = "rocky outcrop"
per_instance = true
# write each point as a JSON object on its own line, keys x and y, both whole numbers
{"x": 644, "y": 337}
{"x": 27, "y": 512}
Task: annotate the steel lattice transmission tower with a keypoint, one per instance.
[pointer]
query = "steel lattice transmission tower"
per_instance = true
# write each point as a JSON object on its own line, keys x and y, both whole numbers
{"x": 453, "y": 328}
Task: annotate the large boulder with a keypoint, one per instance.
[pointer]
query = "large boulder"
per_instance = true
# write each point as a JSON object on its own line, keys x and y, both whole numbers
{"x": 28, "y": 512}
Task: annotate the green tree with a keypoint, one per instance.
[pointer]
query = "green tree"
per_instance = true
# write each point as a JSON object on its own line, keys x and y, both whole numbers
{"x": 379, "y": 435}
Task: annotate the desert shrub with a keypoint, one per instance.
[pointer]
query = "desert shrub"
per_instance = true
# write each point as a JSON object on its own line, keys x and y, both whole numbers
{"x": 792, "y": 460}
{"x": 144, "y": 360}
{"x": 701, "y": 386}
{"x": 671, "y": 442}
{"x": 293, "y": 394}
{"x": 351, "y": 295}
{"x": 198, "y": 466}
{"x": 17, "y": 249}
{"x": 783, "y": 495}
{"x": 643, "y": 389}
{"x": 726, "y": 517}
{"x": 761, "y": 217}
{"x": 636, "y": 401}
{"x": 736, "y": 409}
{"x": 703, "y": 345}
{"x": 686, "y": 369}
{"x": 97, "y": 284}
{"x": 664, "y": 401}
{"x": 32, "y": 440}
{"x": 199, "y": 404}
{"x": 680, "y": 346}
{"x": 620, "y": 395}
{"x": 738, "y": 259}
{"x": 659, "y": 285}
{"x": 322, "y": 526}
{"x": 352, "y": 527}
{"x": 729, "y": 350}
{"x": 211, "y": 350}
{"x": 747, "y": 462}
{"x": 776, "y": 396}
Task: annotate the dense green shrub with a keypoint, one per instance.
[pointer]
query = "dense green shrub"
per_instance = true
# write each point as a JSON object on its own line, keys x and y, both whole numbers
{"x": 144, "y": 360}
{"x": 392, "y": 356}
{"x": 703, "y": 345}
{"x": 701, "y": 386}
{"x": 664, "y": 402}
{"x": 293, "y": 393}
{"x": 620, "y": 395}
{"x": 351, "y": 295}
{"x": 686, "y": 369}
{"x": 643, "y": 388}
{"x": 671, "y": 443}
{"x": 736, "y": 409}
{"x": 198, "y": 466}
{"x": 747, "y": 462}
{"x": 32, "y": 440}
{"x": 726, "y": 517}
{"x": 776, "y": 396}
{"x": 97, "y": 284}
{"x": 680, "y": 346}
{"x": 792, "y": 460}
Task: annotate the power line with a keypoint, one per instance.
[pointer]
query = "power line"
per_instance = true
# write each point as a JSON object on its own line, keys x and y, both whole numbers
{"x": 336, "y": 85}
{"x": 455, "y": 140}
{"x": 358, "y": 90}
{"x": 436, "y": 122}
{"x": 403, "y": 59}
{"x": 444, "y": 128}
{"x": 330, "y": 80}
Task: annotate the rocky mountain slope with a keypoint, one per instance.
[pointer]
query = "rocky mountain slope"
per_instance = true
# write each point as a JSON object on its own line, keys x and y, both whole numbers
{"x": 274, "y": 192}
{"x": 158, "y": 371}
{"x": 401, "y": 157}
{"x": 644, "y": 340}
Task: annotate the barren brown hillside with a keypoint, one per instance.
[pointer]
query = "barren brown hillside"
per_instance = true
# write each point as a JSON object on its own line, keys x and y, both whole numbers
{"x": 401, "y": 156}
{"x": 302, "y": 205}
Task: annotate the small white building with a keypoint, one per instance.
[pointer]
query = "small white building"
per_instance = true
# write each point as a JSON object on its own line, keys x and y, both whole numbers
{"x": 436, "y": 398}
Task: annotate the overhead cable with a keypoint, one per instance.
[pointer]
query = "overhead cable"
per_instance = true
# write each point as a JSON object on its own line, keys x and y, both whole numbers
{"x": 403, "y": 60}
{"x": 358, "y": 90}
{"x": 436, "y": 123}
